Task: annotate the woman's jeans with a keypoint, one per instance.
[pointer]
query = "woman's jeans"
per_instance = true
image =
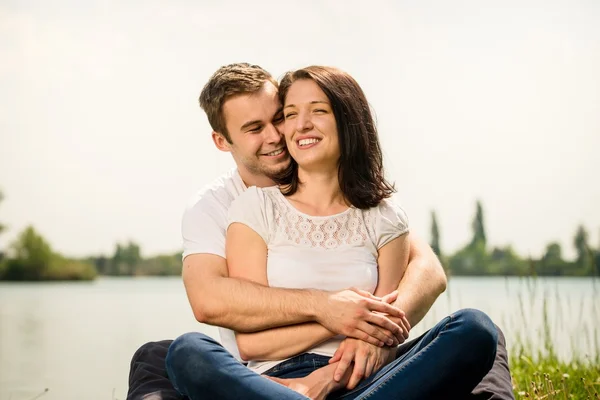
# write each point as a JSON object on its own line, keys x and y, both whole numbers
{"x": 446, "y": 362}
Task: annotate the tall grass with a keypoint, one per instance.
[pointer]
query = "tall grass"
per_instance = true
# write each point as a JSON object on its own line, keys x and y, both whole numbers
{"x": 538, "y": 372}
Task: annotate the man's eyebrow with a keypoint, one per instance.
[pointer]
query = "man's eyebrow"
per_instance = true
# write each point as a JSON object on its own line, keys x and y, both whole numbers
{"x": 250, "y": 123}
{"x": 312, "y": 102}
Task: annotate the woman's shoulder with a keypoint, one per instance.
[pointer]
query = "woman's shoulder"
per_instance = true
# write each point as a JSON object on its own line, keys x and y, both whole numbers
{"x": 389, "y": 213}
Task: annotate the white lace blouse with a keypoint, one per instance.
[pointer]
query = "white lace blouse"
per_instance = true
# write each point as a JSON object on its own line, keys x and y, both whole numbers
{"x": 327, "y": 252}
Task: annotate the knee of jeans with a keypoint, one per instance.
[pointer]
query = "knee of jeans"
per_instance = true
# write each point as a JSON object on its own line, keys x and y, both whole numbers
{"x": 190, "y": 352}
{"x": 479, "y": 330}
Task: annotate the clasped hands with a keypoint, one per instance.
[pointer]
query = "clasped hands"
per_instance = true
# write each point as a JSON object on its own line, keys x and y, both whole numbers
{"x": 373, "y": 328}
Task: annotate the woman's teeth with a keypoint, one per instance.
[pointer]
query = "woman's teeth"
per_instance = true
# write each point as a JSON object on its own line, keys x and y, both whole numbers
{"x": 306, "y": 142}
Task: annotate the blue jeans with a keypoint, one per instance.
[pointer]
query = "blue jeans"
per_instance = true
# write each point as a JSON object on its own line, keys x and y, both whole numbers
{"x": 446, "y": 362}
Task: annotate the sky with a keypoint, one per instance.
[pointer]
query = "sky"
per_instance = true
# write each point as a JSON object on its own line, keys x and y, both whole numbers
{"x": 102, "y": 139}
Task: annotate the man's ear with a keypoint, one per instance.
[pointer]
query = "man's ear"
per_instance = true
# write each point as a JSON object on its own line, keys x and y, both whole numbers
{"x": 220, "y": 141}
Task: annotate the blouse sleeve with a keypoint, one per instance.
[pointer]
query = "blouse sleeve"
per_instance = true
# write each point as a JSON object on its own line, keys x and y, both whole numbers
{"x": 250, "y": 209}
{"x": 392, "y": 222}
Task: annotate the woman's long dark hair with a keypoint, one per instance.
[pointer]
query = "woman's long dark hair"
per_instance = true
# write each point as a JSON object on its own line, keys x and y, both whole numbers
{"x": 360, "y": 169}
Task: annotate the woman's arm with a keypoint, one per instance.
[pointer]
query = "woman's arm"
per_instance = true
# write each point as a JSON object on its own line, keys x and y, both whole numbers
{"x": 392, "y": 261}
{"x": 246, "y": 255}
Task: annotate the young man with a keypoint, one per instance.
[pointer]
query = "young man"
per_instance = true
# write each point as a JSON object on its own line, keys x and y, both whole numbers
{"x": 243, "y": 108}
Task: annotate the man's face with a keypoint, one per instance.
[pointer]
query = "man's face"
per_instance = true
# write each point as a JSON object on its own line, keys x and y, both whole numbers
{"x": 255, "y": 122}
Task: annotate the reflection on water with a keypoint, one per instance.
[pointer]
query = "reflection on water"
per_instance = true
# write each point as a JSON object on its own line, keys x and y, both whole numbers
{"x": 77, "y": 339}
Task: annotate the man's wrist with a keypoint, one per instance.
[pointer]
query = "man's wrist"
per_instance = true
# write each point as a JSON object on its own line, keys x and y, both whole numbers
{"x": 314, "y": 303}
{"x": 402, "y": 303}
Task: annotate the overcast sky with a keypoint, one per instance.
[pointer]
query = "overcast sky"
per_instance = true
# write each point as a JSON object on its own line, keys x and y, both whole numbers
{"x": 102, "y": 139}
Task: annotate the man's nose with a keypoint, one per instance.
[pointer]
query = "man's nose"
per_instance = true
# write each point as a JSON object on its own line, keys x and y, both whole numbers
{"x": 272, "y": 135}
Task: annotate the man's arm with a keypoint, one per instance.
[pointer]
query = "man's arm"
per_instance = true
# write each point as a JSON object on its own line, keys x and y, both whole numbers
{"x": 422, "y": 283}
{"x": 244, "y": 306}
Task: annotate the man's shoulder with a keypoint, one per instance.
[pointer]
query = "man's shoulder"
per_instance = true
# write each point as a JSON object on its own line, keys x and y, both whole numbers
{"x": 217, "y": 195}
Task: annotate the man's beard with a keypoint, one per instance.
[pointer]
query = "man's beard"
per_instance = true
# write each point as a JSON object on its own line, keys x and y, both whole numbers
{"x": 270, "y": 171}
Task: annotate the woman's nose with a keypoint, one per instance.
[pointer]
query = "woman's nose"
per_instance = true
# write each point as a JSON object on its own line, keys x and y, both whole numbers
{"x": 303, "y": 122}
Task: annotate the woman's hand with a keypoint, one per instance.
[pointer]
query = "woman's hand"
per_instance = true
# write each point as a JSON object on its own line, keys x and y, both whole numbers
{"x": 366, "y": 358}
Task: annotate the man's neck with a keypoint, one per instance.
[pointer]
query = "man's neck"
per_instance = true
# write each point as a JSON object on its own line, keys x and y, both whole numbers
{"x": 258, "y": 180}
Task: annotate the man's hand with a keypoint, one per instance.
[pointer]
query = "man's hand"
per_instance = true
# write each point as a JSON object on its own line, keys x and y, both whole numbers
{"x": 366, "y": 357}
{"x": 358, "y": 314}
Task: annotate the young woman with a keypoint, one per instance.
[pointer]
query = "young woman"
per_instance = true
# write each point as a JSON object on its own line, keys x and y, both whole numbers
{"x": 330, "y": 224}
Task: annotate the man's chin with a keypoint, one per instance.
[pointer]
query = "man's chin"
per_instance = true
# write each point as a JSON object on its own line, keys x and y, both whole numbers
{"x": 273, "y": 171}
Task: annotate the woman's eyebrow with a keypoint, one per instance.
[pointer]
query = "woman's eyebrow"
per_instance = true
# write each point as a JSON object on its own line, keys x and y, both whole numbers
{"x": 312, "y": 102}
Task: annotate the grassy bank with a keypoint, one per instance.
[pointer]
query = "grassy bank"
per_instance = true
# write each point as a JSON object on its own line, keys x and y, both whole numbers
{"x": 550, "y": 378}
{"x": 543, "y": 374}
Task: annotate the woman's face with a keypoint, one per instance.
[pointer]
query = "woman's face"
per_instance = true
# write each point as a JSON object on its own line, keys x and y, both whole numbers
{"x": 310, "y": 128}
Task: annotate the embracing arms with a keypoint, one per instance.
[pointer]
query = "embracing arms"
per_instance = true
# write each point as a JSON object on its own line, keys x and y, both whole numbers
{"x": 247, "y": 260}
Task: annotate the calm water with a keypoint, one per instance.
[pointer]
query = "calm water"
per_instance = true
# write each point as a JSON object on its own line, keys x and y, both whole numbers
{"x": 77, "y": 339}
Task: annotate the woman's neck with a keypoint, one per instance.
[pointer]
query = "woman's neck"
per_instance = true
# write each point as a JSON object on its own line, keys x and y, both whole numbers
{"x": 319, "y": 193}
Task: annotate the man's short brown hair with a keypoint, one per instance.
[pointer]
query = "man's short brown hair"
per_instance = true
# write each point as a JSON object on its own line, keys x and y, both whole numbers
{"x": 228, "y": 81}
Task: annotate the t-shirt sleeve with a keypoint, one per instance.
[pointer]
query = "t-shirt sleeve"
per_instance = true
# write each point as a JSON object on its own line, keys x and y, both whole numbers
{"x": 203, "y": 228}
{"x": 392, "y": 222}
{"x": 251, "y": 209}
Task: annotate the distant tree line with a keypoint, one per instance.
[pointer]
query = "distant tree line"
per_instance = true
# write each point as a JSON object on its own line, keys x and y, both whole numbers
{"x": 478, "y": 258}
{"x": 127, "y": 261}
{"x": 30, "y": 257}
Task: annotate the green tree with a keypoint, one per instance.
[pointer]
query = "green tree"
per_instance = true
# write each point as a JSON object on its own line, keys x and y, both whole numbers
{"x": 131, "y": 257}
{"x": 435, "y": 235}
{"x": 32, "y": 257}
{"x": 506, "y": 261}
{"x": 553, "y": 264}
{"x": 2, "y": 227}
{"x": 125, "y": 259}
{"x": 597, "y": 259}
{"x": 584, "y": 254}
{"x": 473, "y": 259}
{"x": 478, "y": 226}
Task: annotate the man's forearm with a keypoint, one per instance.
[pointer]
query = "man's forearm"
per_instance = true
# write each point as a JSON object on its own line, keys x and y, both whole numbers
{"x": 422, "y": 283}
{"x": 283, "y": 342}
{"x": 245, "y": 306}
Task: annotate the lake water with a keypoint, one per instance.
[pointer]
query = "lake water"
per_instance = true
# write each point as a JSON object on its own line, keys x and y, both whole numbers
{"x": 77, "y": 339}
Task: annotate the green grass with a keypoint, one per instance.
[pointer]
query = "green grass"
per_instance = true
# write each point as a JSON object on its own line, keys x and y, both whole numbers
{"x": 551, "y": 378}
{"x": 543, "y": 374}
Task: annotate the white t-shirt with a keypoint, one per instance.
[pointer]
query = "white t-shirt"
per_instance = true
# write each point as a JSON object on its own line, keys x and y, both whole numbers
{"x": 204, "y": 225}
{"x": 327, "y": 252}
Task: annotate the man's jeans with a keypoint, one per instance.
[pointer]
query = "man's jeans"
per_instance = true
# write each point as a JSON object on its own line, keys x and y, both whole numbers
{"x": 447, "y": 362}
